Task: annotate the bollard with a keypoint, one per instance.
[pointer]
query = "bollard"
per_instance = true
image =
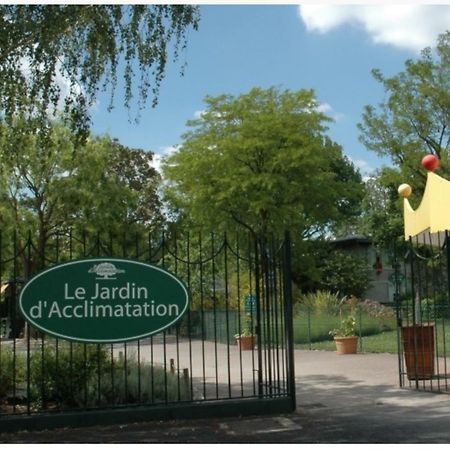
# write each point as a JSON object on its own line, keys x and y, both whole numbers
{"x": 186, "y": 384}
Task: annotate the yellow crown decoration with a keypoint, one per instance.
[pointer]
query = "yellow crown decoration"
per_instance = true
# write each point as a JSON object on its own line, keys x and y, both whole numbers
{"x": 432, "y": 218}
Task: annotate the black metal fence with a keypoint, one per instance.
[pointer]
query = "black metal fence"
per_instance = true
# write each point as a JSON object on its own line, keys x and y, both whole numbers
{"x": 423, "y": 310}
{"x": 238, "y": 287}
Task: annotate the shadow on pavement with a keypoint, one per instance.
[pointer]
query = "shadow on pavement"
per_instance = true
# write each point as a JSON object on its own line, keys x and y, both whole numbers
{"x": 335, "y": 404}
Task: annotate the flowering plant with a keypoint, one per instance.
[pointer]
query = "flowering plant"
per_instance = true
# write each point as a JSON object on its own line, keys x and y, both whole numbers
{"x": 348, "y": 324}
{"x": 246, "y": 331}
{"x": 346, "y": 329}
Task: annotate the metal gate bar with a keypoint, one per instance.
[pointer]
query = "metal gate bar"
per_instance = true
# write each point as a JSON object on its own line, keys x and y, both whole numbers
{"x": 423, "y": 312}
{"x": 193, "y": 363}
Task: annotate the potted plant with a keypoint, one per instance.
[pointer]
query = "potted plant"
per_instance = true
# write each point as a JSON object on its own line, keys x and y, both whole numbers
{"x": 345, "y": 336}
{"x": 418, "y": 340}
{"x": 246, "y": 339}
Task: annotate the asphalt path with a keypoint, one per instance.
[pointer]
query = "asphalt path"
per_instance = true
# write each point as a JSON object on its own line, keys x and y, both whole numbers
{"x": 340, "y": 399}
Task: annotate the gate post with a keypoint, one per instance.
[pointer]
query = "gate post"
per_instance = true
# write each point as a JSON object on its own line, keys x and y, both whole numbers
{"x": 398, "y": 310}
{"x": 287, "y": 294}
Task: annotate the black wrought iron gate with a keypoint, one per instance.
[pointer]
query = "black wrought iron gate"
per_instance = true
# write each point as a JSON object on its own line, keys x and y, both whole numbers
{"x": 239, "y": 289}
{"x": 423, "y": 307}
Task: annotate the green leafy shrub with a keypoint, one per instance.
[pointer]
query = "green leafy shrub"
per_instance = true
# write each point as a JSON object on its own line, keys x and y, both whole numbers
{"x": 321, "y": 302}
{"x": 346, "y": 274}
{"x": 143, "y": 383}
{"x": 9, "y": 364}
{"x": 435, "y": 308}
{"x": 85, "y": 375}
{"x": 67, "y": 374}
{"x": 384, "y": 315}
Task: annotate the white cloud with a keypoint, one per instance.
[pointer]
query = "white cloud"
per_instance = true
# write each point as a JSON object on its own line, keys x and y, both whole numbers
{"x": 362, "y": 165}
{"x": 163, "y": 153}
{"x": 62, "y": 81}
{"x": 324, "y": 108}
{"x": 406, "y": 26}
{"x": 328, "y": 110}
{"x": 365, "y": 169}
{"x": 199, "y": 114}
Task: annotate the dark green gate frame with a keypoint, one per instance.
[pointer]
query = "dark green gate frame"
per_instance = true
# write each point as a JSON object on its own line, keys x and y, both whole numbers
{"x": 193, "y": 369}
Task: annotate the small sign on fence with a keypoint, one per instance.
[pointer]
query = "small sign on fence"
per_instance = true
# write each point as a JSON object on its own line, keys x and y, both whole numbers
{"x": 103, "y": 300}
{"x": 396, "y": 277}
{"x": 250, "y": 304}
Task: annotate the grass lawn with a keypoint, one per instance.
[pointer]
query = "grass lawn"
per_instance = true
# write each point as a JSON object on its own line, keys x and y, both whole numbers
{"x": 315, "y": 327}
{"x": 311, "y": 331}
{"x": 385, "y": 342}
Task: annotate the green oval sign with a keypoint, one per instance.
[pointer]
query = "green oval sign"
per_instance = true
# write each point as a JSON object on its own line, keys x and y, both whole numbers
{"x": 103, "y": 300}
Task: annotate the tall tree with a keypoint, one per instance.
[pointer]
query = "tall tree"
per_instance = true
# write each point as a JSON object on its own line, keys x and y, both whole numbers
{"x": 413, "y": 121}
{"x": 262, "y": 161}
{"x": 113, "y": 188}
{"x": 381, "y": 217}
{"x": 88, "y": 46}
{"x": 50, "y": 186}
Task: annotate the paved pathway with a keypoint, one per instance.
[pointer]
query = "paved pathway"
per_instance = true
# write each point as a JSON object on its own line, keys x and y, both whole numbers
{"x": 356, "y": 398}
{"x": 341, "y": 399}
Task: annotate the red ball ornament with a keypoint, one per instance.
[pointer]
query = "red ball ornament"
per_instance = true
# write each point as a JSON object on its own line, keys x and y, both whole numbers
{"x": 430, "y": 162}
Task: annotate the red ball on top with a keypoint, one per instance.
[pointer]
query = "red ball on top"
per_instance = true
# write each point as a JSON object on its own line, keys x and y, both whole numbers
{"x": 430, "y": 162}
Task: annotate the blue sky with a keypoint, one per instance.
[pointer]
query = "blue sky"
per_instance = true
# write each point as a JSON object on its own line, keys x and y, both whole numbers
{"x": 329, "y": 48}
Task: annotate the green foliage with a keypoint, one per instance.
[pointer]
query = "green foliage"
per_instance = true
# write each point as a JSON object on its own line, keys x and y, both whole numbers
{"x": 321, "y": 301}
{"x": 319, "y": 312}
{"x": 312, "y": 326}
{"x": 101, "y": 187}
{"x": 219, "y": 282}
{"x": 142, "y": 383}
{"x": 85, "y": 375}
{"x": 112, "y": 189}
{"x": 85, "y": 44}
{"x": 384, "y": 314}
{"x": 411, "y": 122}
{"x": 132, "y": 169}
{"x": 428, "y": 310}
{"x": 8, "y": 364}
{"x": 414, "y": 118}
{"x": 63, "y": 374}
{"x": 263, "y": 163}
{"x": 307, "y": 258}
{"x": 384, "y": 342}
{"x": 381, "y": 218}
{"x": 347, "y": 327}
{"x": 345, "y": 274}
{"x": 433, "y": 308}
{"x": 247, "y": 327}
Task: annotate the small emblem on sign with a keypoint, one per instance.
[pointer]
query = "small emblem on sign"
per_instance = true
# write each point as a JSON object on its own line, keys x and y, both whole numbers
{"x": 105, "y": 271}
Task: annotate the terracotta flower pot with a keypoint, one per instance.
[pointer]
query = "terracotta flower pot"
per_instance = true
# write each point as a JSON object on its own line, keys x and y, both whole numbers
{"x": 346, "y": 345}
{"x": 246, "y": 342}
